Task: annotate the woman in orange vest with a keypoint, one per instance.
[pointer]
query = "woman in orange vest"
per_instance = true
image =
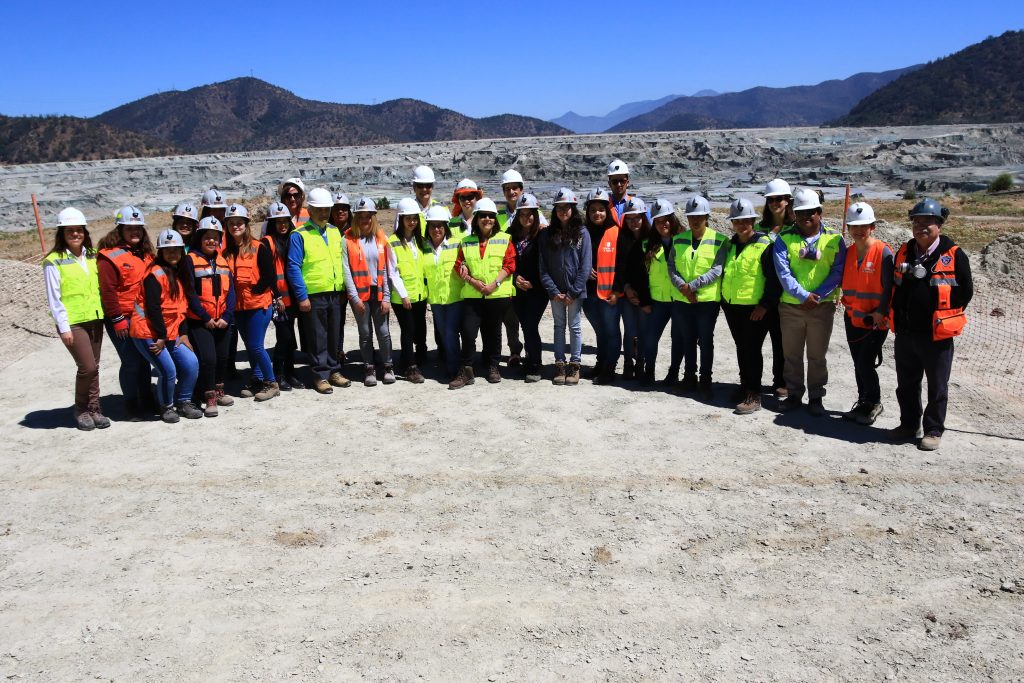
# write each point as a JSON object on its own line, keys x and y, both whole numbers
{"x": 184, "y": 221}
{"x": 252, "y": 265}
{"x": 124, "y": 254}
{"x": 277, "y": 240}
{"x": 158, "y": 313}
{"x": 867, "y": 293}
{"x": 598, "y": 308}
{"x": 211, "y": 308}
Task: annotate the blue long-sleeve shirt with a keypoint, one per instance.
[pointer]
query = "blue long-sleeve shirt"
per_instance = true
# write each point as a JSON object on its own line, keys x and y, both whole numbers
{"x": 566, "y": 270}
{"x": 296, "y": 254}
{"x": 780, "y": 254}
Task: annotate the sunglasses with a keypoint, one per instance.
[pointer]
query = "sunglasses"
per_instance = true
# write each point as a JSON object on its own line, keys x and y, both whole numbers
{"x": 618, "y": 181}
{"x": 486, "y": 216}
{"x": 805, "y": 213}
{"x": 292, "y": 195}
{"x": 467, "y": 198}
{"x": 422, "y": 186}
{"x": 778, "y": 198}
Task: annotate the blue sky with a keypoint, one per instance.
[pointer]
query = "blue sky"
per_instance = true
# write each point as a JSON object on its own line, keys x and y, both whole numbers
{"x": 481, "y": 58}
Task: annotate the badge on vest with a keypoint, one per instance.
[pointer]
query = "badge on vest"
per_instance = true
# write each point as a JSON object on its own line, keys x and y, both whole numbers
{"x": 946, "y": 259}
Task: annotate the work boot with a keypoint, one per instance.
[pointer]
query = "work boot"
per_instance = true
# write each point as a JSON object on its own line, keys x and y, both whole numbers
{"x": 815, "y": 407}
{"x": 83, "y": 420}
{"x": 493, "y": 375}
{"x": 252, "y": 388}
{"x": 739, "y": 394}
{"x": 282, "y": 383}
{"x": 269, "y": 391}
{"x": 370, "y": 379}
{"x": 904, "y": 433}
{"x": 790, "y": 403}
{"x": 458, "y": 381}
{"x": 597, "y": 371}
{"x": 188, "y": 410}
{"x": 168, "y": 415}
{"x": 572, "y": 374}
{"x": 211, "y": 403}
{"x": 750, "y": 404}
{"x": 532, "y": 373}
{"x": 607, "y": 376}
{"x": 559, "y": 378}
{"x": 704, "y": 389}
{"x": 627, "y": 368}
{"x": 389, "y": 374}
{"x": 515, "y": 360}
{"x": 930, "y": 442}
{"x": 672, "y": 378}
{"x": 688, "y": 384}
{"x": 322, "y": 386}
{"x": 856, "y": 411}
{"x": 779, "y": 390}
{"x": 293, "y": 379}
{"x": 870, "y": 414}
{"x": 414, "y": 375}
{"x": 467, "y": 374}
{"x": 222, "y": 398}
{"x": 336, "y": 379}
{"x": 99, "y": 419}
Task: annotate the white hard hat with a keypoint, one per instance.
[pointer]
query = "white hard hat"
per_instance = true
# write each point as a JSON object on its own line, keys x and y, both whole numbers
{"x": 278, "y": 210}
{"x": 70, "y": 216}
{"x": 366, "y": 205}
{"x": 697, "y": 206}
{"x": 210, "y": 223}
{"x": 237, "y": 211}
{"x": 565, "y": 196}
{"x": 599, "y": 194}
{"x": 634, "y": 205}
{"x": 424, "y": 175}
{"x": 618, "y": 167}
{"x": 319, "y": 198}
{"x": 740, "y": 209}
{"x": 169, "y": 238}
{"x": 776, "y": 188}
{"x": 214, "y": 199}
{"x": 438, "y": 213}
{"x": 485, "y": 205}
{"x": 408, "y": 207}
{"x": 860, "y": 213}
{"x": 297, "y": 182}
{"x": 662, "y": 207}
{"x": 186, "y": 210}
{"x": 511, "y": 176}
{"x": 466, "y": 184}
{"x": 527, "y": 201}
{"x": 129, "y": 215}
{"x": 341, "y": 199}
{"x": 806, "y": 200}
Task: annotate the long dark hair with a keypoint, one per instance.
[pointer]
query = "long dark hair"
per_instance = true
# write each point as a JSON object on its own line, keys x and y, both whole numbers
{"x": 60, "y": 243}
{"x": 475, "y": 230}
{"x": 246, "y": 248}
{"x": 654, "y": 244}
{"x": 196, "y": 243}
{"x": 516, "y": 230}
{"x": 283, "y": 242}
{"x": 417, "y": 234}
{"x": 608, "y": 220}
{"x": 563, "y": 235}
{"x": 768, "y": 220}
{"x": 115, "y": 238}
{"x": 176, "y": 281}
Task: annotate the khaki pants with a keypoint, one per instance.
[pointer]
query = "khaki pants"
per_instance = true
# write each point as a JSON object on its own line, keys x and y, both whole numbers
{"x": 810, "y": 330}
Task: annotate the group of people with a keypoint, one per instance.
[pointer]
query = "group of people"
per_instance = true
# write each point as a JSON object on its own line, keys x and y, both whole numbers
{"x": 631, "y": 269}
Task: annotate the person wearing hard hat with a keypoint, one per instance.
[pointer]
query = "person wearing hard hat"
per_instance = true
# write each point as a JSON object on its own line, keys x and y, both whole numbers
{"x": 316, "y": 276}
{"x": 647, "y": 275}
{"x": 486, "y": 262}
{"x": 530, "y": 299}
{"x": 750, "y": 291}
{"x": 423, "y": 187}
{"x": 252, "y": 268}
{"x": 184, "y": 221}
{"x": 213, "y": 204}
{"x": 341, "y": 212}
{"x": 444, "y": 287}
{"x": 407, "y": 246}
{"x": 211, "y": 311}
{"x": 157, "y": 316}
{"x": 809, "y": 260}
{"x": 618, "y": 182}
{"x": 278, "y": 240}
{"x": 370, "y": 275}
{"x": 124, "y": 254}
{"x": 292, "y": 193}
{"x": 932, "y": 288}
{"x": 512, "y": 187}
{"x": 463, "y": 200}
{"x": 636, "y": 227}
{"x": 599, "y": 308}
{"x": 695, "y": 267}
{"x": 564, "y": 268}
{"x": 73, "y": 293}
{"x": 776, "y": 215}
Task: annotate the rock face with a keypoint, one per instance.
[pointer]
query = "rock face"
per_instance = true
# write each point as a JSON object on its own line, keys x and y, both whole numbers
{"x": 724, "y": 164}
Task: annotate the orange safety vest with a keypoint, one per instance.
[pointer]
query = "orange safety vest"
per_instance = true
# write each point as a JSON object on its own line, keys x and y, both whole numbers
{"x": 279, "y": 267}
{"x": 301, "y": 219}
{"x": 615, "y": 212}
{"x": 172, "y": 307}
{"x": 357, "y": 264}
{"x": 247, "y": 275}
{"x": 214, "y": 299}
{"x": 130, "y": 269}
{"x": 947, "y": 322}
{"x": 606, "y": 252}
{"x": 862, "y": 286}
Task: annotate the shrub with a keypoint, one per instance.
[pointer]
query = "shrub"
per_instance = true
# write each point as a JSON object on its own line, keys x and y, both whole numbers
{"x": 910, "y": 194}
{"x": 383, "y": 203}
{"x": 1001, "y": 183}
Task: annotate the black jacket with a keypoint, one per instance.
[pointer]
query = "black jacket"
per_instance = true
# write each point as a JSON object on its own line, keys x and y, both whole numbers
{"x": 915, "y": 300}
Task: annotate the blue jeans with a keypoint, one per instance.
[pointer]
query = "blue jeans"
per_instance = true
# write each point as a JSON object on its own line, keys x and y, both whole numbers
{"x": 252, "y": 325}
{"x": 630, "y": 330}
{"x": 448, "y": 319}
{"x": 592, "y": 308}
{"x": 176, "y": 367}
{"x": 610, "y": 315}
{"x": 570, "y": 315}
{"x": 653, "y": 325}
{"x": 698, "y": 322}
{"x": 134, "y": 375}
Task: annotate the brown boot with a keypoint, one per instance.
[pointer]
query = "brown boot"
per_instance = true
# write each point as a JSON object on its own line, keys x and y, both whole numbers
{"x": 210, "y": 399}
{"x": 572, "y": 374}
{"x": 269, "y": 391}
{"x": 493, "y": 375}
{"x": 458, "y": 381}
{"x": 559, "y": 378}
{"x": 467, "y": 373}
{"x": 751, "y": 404}
{"x": 414, "y": 375}
{"x": 222, "y": 398}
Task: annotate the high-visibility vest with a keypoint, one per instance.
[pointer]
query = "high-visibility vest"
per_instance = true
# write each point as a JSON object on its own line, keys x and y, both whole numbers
{"x": 410, "y": 267}
{"x": 279, "y": 268}
{"x": 658, "y": 280}
{"x": 607, "y": 249}
{"x": 811, "y": 273}
{"x": 443, "y": 285}
{"x": 247, "y": 275}
{"x": 862, "y": 285}
{"x": 172, "y": 307}
{"x": 692, "y": 263}
{"x": 487, "y": 267}
{"x": 357, "y": 267}
{"x": 130, "y": 270}
{"x": 79, "y": 289}
{"x": 947, "y": 322}
{"x": 743, "y": 277}
{"x": 459, "y": 228}
{"x": 212, "y": 283}
{"x": 322, "y": 270}
{"x": 615, "y": 213}
{"x": 301, "y": 219}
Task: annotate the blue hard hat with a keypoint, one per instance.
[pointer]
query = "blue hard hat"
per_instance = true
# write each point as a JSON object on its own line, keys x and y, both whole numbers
{"x": 929, "y": 207}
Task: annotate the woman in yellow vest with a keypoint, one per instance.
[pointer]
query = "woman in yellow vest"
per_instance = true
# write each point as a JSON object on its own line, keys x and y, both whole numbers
{"x": 750, "y": 290}
{"x": 411, "y": 310}
{"x": 73, "y": 292}
{"x": 695, "y": 266}
{"x": 444, "y": 289}
{"x": 486, "y": 262}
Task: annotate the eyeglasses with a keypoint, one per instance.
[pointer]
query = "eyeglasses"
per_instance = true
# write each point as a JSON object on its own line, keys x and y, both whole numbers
{"x": 486, "y": 217}
{"x": 436, "y": 226}
{"x": 618, "y": 181}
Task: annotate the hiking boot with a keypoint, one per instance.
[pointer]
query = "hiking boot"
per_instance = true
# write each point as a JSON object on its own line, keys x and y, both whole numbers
{"x": 269, "y": 391}
{"x": 687, "y": 385}
{"x": 336, "y": 379}
{"x": 750, "y": 404}
{"x": 99, "y": 419}
{"x": 294, "y": 381}
{"x": 815, "y": 407}
{"x": 704, "y": 389}
{"x": 559, "y": 378}
{"x": 467, "y": 375}
{"x": 856, "y": 411}
{"x": 904, "y": 433}
{"x": 532, "y": 373}
{"x": 389, "y": 374}
{"x": 414, "y": 375}
{"x": 458, "y": 381}
{"x": 572, "y": 374}
{"x": 252, "y": 388}
{"x": 780, "y": 391}
{"x": 370, "y": 379}
{"x": 870, "y": 414}
{"x": 672, "y": 378}
{"x": 322, "y": 386}
{"x": 83, "y": 420}
{"x": 222, "y": 398}
{"x": 282, "y": 383}
{"x": 930, "y": 442}
{"x": 187, "y": 409}
{"x": 790, "y": 403}
{"x": 169, "y": 415}
{"x": 493, "y": 375}
{"x": 211, "y": 403}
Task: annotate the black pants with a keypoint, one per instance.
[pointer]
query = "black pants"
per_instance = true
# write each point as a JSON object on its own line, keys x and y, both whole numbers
{"x": 749, "y": 338}
{"x": 529, "y": 306}
{"x": 918, "y": 356}
{"x": 515, "y": 347}
{"x": 323, "y": 330}
{"x": 413, "y": 326}
{"x": 211, "y": 348}
{"x": 865, "y": 348}
{"x": 483, "y": 316}
{"x": 774, "y": 325}
{"x": 284, "y": 348}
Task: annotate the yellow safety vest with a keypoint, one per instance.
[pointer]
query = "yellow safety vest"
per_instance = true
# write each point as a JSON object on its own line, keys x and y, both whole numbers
{"x": 79, "y": 289}
{"x": 443, "y": 285}
{"x": 658, "y": 280}
{"x": 410, "y": 268}
{"x": 742, "y": 277}
{"x": 322, "y": 269}
{"x": 692, "y": 263}
{"x": 810, "y": 273}
{"x": 486, "y": 269}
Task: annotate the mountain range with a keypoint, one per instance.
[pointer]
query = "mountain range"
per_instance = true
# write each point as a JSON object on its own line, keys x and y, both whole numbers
{"x": 599, "y": 124}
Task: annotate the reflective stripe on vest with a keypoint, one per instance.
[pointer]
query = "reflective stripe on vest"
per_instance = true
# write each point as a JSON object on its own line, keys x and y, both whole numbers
{"x": 409, "y": 259}
{"x": 172, "y": 307}
{"x": 743, "y": 277}
{"x": 487, "y": 267}
{"x": 947, "y": 322}
{"x": 606, "y": 253}
{"x": 79, "y": 288}
{"x": 322, "y": 270}
{"x": 130, "y": 270}
{"x": 443, "y": 285}
{"x": 212, "y": 283}
{"x": 658, "y": 281}
{"x": 811, "y": 273}
{"x": 358, "y": 269}
{"x": 246, "y": 270}
{"x": 279, "y": 269}
{"x": 692, "y": 263}
{"x": 862, "y": 285}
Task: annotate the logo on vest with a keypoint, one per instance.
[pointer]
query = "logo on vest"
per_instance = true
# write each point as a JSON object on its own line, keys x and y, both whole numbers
{"x": 946, "y": 259}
